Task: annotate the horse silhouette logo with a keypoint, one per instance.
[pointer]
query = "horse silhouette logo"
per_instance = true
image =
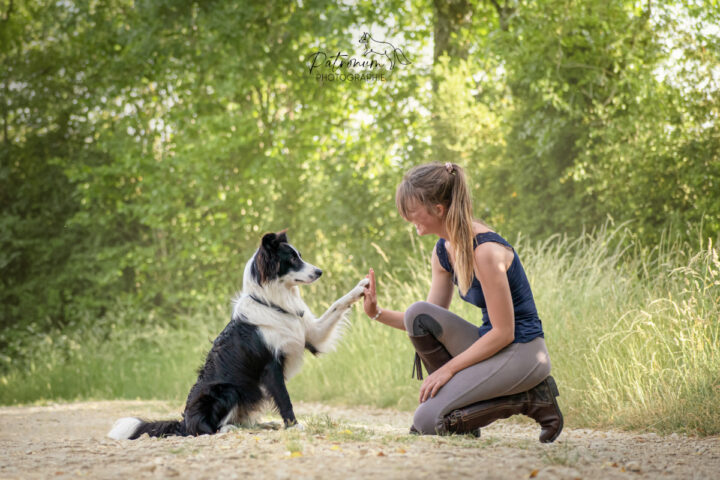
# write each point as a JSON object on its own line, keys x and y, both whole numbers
{"x": 386, "y": 49}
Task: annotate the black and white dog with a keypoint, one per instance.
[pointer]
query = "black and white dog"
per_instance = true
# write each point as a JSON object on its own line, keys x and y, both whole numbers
{"x": 258, "y": 350}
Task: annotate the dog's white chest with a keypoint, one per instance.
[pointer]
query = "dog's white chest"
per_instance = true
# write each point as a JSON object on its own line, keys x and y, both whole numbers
{"x": 282, "y": 332}
{"x": 288, "y": 339}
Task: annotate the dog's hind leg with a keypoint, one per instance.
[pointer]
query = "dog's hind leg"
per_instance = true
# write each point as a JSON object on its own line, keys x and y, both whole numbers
{"x": 273, "y": 378}
{"x": 205, "y": 413}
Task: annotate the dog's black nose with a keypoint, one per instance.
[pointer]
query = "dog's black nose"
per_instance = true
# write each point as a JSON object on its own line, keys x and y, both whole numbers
{"x": 318, "y": 272}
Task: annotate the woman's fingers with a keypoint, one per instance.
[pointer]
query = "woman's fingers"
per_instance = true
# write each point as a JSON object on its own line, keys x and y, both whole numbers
{"x": 435, "y": 389}
{"x": 433, "y": 383}
{"x": 371, "y": 286}
{"x": 424, "y": 390}
{"x": 370, "y": 300}
{"x": 428, "y": 390}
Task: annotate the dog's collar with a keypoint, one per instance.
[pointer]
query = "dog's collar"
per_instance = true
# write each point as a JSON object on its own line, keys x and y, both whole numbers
{"x": 299, "y": 313}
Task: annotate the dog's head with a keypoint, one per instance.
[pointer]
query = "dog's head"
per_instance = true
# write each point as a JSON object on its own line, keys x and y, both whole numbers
{"x": 277, "y": 260}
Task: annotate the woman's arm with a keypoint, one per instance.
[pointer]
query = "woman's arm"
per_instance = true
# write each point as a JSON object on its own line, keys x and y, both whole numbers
{"x": 388, "y": 317}
{"x": 491, "y": 271}
{"x": 441, "y": 286}
{"x": 441, "y": 292}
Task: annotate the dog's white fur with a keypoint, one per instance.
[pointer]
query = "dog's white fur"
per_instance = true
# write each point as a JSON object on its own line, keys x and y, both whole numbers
{"x": 123, "y": 428}
{"x": 290, "y": 335}
{"x": 286, "y": 325}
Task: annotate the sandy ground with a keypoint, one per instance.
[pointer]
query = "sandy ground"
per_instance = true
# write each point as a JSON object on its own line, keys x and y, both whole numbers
{"x": 68, "y": 441}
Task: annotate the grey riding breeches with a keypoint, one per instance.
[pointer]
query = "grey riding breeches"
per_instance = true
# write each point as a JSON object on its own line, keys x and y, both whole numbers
{"x": 514, "y": 369}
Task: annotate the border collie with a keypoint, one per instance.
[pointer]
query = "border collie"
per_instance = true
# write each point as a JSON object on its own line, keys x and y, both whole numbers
{"x": 258, "y": 351}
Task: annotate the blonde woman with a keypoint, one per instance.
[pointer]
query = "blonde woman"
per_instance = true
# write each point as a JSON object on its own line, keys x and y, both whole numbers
{"x": 476, "y": 375}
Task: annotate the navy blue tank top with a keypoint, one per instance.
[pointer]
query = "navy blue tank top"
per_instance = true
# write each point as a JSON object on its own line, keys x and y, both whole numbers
{"x": 527, "y": 322}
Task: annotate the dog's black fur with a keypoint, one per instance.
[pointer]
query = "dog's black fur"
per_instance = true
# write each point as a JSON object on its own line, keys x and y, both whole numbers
{"x": 246, "y": 364}
{"x": 237, "y": 364}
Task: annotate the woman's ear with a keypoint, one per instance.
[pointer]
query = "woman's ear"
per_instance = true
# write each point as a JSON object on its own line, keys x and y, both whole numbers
{"x": 439, "y": 210}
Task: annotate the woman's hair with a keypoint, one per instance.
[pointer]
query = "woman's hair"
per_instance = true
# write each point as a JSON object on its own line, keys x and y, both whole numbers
{"x": 444, "y": 184}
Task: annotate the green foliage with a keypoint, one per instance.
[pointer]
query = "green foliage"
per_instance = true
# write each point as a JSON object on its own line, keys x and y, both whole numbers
{"x": 146, "y": 145}
{"x": 589, "y": 109}
{"x": 149, "y": 165}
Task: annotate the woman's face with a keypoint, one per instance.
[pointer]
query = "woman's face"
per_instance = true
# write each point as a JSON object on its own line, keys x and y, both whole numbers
{"x": 427, "y": 222}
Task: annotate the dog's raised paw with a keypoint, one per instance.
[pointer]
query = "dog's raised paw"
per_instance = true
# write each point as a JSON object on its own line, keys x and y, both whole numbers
{"x": 359, "y": 290}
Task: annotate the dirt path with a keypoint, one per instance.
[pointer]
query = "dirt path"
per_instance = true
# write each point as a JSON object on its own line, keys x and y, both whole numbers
{"x": 68, "y": 441}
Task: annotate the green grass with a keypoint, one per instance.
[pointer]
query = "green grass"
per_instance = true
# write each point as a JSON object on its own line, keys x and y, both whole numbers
{"x": 633, "y": 333}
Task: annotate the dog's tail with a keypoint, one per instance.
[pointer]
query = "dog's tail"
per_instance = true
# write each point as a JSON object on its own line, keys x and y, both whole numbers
{"x": 131, "y": 428}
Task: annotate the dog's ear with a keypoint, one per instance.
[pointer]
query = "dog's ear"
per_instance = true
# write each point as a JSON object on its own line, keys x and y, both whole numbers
{"x": 266, "y": 266}
{"x": 270, "y": 241}
{"x": 266, "y": 263}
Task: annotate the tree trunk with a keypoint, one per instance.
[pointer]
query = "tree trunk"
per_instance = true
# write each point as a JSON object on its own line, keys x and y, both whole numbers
{"x": 451, "y": 17}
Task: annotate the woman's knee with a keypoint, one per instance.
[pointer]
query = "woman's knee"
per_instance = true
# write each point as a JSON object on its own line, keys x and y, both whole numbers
{"x": 543, "y": 360}
{"x": 427, "y": 419}
{"x": 413, "y": 312}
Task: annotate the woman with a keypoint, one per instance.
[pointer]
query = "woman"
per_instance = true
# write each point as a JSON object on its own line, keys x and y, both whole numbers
{"x": 476, "y": 375}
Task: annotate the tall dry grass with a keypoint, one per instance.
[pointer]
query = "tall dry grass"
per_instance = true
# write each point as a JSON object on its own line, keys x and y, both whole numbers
{"x": 633, "y": 333}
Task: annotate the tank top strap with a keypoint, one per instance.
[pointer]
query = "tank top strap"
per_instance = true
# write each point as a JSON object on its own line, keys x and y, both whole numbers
{"x": 443, "y": 255}
{"x": 490, "y": 237}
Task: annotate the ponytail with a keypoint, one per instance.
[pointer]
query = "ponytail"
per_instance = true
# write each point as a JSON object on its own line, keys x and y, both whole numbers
{"x": 446, "y": 185}
{"x": 458, "y": 224}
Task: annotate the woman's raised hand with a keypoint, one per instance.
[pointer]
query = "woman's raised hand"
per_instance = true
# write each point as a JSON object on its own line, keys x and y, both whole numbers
{"x": 370, "y": 296}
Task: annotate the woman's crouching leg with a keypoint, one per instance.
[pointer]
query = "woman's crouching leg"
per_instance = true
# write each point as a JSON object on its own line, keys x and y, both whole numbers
{"x": 515, "y": 369}
{"x": 428, "y": 419}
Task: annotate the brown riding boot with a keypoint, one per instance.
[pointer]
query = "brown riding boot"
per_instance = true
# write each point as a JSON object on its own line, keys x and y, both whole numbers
{"x": 481, "y": 414}
{"x": 432, "y": 353}
{"x": 537, "y": 403}
{"x": 543, "y": 408}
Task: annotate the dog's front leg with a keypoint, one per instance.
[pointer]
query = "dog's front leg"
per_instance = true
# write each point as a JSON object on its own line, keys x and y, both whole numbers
{"x": 273, "y": 378}
{"x": 320, "y": 329}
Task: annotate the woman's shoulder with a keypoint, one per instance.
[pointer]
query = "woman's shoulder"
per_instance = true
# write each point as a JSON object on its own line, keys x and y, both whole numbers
{"x": 490, "y": 252}
{"x": 485, "y": 235}
{"x": 480, "y": 228}
{"x": 490, "y": 249}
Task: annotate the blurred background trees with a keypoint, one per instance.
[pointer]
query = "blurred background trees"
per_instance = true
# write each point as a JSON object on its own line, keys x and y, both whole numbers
{"x": 147, "y": 145}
